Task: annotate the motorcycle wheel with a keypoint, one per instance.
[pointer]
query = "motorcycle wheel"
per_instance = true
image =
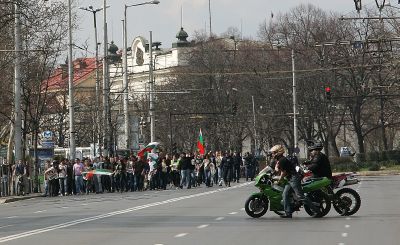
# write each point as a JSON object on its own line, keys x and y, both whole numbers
{"x": 324, "y": 204}
{"x": 256, "y": 206}
{"x": 347, "y": 199}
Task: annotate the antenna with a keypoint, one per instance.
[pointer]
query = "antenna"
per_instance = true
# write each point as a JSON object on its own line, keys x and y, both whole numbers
{"x": 181, "y": 16}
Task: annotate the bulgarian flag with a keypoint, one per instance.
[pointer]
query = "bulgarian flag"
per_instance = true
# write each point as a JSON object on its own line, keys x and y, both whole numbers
{"x": 148, "y": 149}
{"x": 200, "y": 144}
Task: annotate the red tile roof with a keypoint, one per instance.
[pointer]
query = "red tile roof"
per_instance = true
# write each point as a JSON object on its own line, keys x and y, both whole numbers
{"x": 83, "y": 68}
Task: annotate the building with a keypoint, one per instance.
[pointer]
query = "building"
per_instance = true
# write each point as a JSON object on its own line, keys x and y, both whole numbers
{"x": 138, "y": 63}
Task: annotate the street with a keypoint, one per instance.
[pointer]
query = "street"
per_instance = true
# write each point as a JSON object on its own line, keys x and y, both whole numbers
{"x": 198, "y": 216}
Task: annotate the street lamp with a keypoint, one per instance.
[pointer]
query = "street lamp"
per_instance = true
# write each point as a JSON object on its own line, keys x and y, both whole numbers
{"x": 70, "y": 86}
{"x": 97, "y": 95}
{"x": 125, "y": 68}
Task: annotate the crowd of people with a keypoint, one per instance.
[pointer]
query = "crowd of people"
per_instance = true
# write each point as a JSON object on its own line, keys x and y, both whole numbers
{"x": 139, "y": 173}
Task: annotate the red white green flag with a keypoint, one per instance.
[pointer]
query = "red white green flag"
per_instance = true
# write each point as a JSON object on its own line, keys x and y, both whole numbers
{"x": 148, "y": 149}
{"x": 200, "y": 143}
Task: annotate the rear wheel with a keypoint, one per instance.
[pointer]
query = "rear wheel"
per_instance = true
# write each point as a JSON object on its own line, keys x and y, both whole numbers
{"x": 256, "y": 206}
{"x": 322, "y": 201}
{"x": 347, "y": 201}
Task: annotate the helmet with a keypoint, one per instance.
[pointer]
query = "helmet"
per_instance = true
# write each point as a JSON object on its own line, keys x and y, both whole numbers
{"x": 278, "y": 149}
{"x": 314, "y": 145}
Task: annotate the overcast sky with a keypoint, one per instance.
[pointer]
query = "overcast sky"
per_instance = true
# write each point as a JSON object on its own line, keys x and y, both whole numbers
{"x": 164, "y": 19}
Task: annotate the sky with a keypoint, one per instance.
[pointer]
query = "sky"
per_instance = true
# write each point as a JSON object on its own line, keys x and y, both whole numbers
{"x": 164, "y": 19}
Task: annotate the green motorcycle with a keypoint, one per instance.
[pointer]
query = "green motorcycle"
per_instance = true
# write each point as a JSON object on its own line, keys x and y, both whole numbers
{"x": 270, "y": 196}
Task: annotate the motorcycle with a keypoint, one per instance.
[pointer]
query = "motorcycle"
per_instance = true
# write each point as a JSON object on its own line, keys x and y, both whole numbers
{"x": 270, "y": 196}
{"x": 345, "y": 201}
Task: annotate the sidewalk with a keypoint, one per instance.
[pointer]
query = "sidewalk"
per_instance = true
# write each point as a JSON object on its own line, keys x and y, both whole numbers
{"x": 9, "y": 199}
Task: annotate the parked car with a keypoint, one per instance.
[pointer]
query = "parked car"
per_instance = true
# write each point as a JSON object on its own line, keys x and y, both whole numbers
{"x": 346, "y": 152}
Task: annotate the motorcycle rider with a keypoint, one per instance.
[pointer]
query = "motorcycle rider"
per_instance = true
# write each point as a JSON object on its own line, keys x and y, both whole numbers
{"x": 288, "y": 171}
{"x": 319, "y": 164}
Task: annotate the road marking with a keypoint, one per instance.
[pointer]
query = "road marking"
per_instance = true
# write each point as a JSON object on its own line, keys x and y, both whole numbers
{"x": 202, "y": 226}
{"x": 84, "y": 204}
{"x": 5, "y": 226}
{"x": 181, "y": 235}
{"x": 111, "y": 214}
{"x": 348, "y": 218}
{"x": 341, "y": 243}
{"x": 40, "y": 211}
{"x": 219, "y": 218}
{"x": 64, "y": 207}
{"x": 11, "y": 217}
{"x": 347, "y": 226}
{"x": 242, "y": 209}
{"x": 158, "y": 244}
{"x": 233, "y": 213}
{"x": 344, "y": 234}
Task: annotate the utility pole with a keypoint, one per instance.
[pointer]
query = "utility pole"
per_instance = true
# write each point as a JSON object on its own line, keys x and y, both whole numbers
{"x": 106, "y": 130}
{"x": 254, "y": 125}
{"x": 97, "y": 89}
{"x": 151, "y": 96}
{"x": 125, "y": 81}
{"x": 295, "y": 136}
{"x": 70, "y": 87}
{"x": 17, "y": 85}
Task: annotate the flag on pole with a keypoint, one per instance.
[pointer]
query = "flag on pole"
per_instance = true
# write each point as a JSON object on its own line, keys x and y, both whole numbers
{"x": 200, "y": 143}
{"x": 148, "y": 149}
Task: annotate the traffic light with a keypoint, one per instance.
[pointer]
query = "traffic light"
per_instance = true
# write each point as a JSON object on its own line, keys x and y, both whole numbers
{"x": 328, "y": 93}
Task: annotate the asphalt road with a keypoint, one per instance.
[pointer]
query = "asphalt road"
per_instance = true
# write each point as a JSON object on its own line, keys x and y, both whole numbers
{"x": 197, "y": 216}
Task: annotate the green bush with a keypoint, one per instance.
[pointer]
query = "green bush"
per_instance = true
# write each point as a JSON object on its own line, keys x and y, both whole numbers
{"x": 383, "y": 156}
{"x": 341, "y": 160}
{"x": 372, "y": 156}
{"x": 360, "y": 158}
{"x": 350, "y": 167}
{"x": 393, "y": 155}
{"x": 388, "y": 163}
{"x": 374, "y": 167}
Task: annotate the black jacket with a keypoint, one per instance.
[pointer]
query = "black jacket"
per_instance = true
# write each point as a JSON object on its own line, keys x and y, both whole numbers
{"x": 320, "y": 166}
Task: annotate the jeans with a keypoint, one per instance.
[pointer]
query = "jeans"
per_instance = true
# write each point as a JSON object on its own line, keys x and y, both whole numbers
{"x": 185, "y": 177}
{"x": 78, "y": 183}
{"x": 249, "y": 172}
{"x": 207, "y": 177}
{"x": 295, "y": 184}
{"x": 220, "y": 174}
{"x": 63, "y": 185}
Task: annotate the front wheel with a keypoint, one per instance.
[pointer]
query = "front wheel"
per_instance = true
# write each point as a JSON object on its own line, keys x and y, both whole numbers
{"x": 347, "y": 201}
{"x": 322, "y": 201}
{"x": 256, "y": 206}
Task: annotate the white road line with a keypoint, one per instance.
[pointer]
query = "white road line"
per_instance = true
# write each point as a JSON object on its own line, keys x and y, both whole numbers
{"x": 219, "y": 218}
{"x": 181, "y": 235}
{"x": 64, "y": 207}
{"x": 348, "y": 218}
{"x": 341, "y": 243}
{"x": 158, "y": 244}
{"x": 202, "y": 226}
{"x": 347, "y": 226}
{"x": 233, "y": 213}
{"x": 11, "y": 217}
{"x": 40, "y": 211}
{"x": 344, "y": 234}
{"x": 242, "y": 209}
{"x": 111, "y": 214}
{"x": 84, "y": 204}
{"x": 5, "y": 226}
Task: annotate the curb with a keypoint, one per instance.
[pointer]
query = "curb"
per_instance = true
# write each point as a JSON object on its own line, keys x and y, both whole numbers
{"x": 18, "y": 198}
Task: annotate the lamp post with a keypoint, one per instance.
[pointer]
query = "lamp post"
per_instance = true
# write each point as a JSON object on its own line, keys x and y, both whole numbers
{"x": 125, "y": 69}
{"x": 17, "y": 85}
{"x": 295, "y": 136}
{"x": 97, "y": 96}
{"x": 70, "y": 87}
